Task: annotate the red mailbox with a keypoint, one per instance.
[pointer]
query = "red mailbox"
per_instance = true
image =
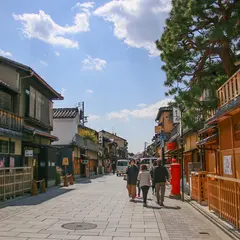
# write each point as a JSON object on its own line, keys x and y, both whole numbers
{"x": 175, "y": 180}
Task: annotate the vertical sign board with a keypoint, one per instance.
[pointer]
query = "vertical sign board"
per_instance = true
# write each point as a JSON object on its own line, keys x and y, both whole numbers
{"x": 176, "y": 115}
{"x": 227, "y": 165}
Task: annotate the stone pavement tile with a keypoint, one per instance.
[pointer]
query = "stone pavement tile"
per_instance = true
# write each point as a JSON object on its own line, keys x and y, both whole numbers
{"x": 95, "y": 238}
{"x": 26, "y": 230}
{"x": 8, "y": 234}
{"x": 152, "y": 230}
{"x": 153, "y": 238}
{"x": 33, "y": 235}
{"x": 64, "y": 237}
{"x": 115, "y": 234}
{"x": 84, "y": 233}
{"x": 130, "y": 230}
{"x": 128, "y": 238}
{"x": 13, "y": 238}
{"x": 145, "y": 234}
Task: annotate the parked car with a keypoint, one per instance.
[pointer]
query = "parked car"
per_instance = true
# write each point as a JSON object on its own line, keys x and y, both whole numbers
{"x": 122, "y": 165}
{"x": 148, "y": 161}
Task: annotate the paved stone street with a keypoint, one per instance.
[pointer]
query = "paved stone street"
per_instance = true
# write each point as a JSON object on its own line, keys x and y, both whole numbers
{"x": 105, "y": 203}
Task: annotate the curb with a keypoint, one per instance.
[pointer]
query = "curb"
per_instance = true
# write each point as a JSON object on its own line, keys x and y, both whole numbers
{"x": 230, "y": 231}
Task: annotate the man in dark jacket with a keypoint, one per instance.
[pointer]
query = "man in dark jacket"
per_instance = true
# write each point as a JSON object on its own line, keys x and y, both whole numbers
{"x": 160, "y": 177}
{"x": 132, "y": 173}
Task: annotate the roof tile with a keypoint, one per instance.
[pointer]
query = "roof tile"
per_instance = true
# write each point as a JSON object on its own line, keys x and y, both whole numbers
{"x": 65, "y": 112}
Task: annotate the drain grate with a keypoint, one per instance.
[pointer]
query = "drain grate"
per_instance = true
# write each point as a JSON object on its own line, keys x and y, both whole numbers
{"x": 204, "y": 233}
{"x": 79, "y": 226}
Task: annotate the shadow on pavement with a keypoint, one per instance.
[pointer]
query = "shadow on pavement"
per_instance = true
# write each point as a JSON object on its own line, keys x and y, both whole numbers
{"x": 152, "y": 207}
{"x": 171, "y": 207}
{"x": 40, "y": 198}
{"x": 85, "y": 181}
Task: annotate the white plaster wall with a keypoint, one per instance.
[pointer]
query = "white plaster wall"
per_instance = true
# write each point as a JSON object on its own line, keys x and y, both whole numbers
{"x": 64, "y": 129}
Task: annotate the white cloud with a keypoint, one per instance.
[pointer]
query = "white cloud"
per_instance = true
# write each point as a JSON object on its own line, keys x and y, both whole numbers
{"x": 90, "y": 63}
{"x": 5, "y": 54}
{"x": 149, "y": 111}
{"x": 141, "y": 105}
{"x": 63, "y": 90}
{"x": 44, "y": 63}
{"x": 57, "y": 53}
{"x": 93, "y": 117}
{"x": 137, "y": 22}
{"x": 89, "y": 91}
{"x": 41, "y": 26}
{"x": 84, "y": 6}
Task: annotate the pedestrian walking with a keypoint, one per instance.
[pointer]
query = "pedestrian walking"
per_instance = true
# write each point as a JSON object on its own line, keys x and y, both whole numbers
{"x": 151, "y": 172}
{"x": 144, "y": 179}
{"x": 132, "y": 174}
{"x": 138, "y": 186}
{"x": 114, "y": 167}
{"x": 160, "y": 177}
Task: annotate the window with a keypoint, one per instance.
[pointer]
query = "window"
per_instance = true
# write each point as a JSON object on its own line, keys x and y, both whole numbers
{"x": 5, "y": 101}
{"x": 12, "y": 147}
{"x": 37, "y": 106}
{"x": 122, "y": 163}
{"x": 3, "y": 146}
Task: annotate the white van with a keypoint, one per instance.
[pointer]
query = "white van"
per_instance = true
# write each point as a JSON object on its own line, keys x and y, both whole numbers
{"x": 148, "y": 161}
{"x": 122, "y": 165}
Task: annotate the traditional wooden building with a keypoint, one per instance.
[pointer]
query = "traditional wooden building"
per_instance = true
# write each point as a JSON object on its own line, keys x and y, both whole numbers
{"x": 220, "y": 145}
{"x": 28, "y": 101}
{"x": 89, "y": 148}
{"x": 65, "y": 127}
{"x": 164, "y": 125}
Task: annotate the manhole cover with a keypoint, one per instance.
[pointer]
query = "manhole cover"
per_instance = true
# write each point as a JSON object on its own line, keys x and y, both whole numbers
{"x": 79, "y": 226}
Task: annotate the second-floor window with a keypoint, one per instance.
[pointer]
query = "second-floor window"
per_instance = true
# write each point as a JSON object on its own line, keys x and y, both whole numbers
{"x": 5, "y": 101}
{"x": 38, "y": 106}
{"x": 4, "y": 147}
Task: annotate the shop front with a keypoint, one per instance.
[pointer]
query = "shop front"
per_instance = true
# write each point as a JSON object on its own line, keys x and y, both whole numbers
{"x": 39, "y": 154}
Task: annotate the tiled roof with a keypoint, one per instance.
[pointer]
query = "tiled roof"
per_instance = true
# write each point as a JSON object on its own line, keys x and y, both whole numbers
{"x": 65, "y": 112}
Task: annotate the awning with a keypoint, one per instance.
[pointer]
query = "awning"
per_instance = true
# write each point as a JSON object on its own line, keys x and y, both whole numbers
{"x": 83, "y": 156}
{"x": 207, "y": 128}
{"x": 10, "y": 133}
{"x": 208, "y": 139}
{"x": 190, "y": 150}
{"x": 35, "y": 131}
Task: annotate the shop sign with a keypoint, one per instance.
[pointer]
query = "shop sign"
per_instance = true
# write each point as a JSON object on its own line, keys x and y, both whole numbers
{"x": 65, "y": 162}
{"x": 158, "y": 129}
{"x": 85, "y": 161}
{"x": 227, "y": 165}
{"x": 28, "y": 153}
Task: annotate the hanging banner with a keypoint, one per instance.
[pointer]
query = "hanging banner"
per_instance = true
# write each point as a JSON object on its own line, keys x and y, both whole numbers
{"x": 227, "y": 165}
{"x": 2, "y": 162}
{"x": 12, "y": 162}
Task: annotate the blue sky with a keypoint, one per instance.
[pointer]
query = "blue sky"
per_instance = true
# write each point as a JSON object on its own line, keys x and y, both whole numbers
{"x": 99, "y": 52}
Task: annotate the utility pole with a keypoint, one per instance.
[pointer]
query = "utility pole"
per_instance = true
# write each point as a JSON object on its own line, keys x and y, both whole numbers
{"x": 145, "y": 148}
{"x": 162, "y": 141}
{"x": 182, "y": 145}
{"x": 83, "y": 118}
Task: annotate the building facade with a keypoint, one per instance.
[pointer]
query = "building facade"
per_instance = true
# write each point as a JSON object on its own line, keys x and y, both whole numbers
{"x": 26, "y": 107}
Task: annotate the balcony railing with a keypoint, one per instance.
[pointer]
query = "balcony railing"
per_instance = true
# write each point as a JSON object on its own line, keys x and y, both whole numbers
{"x": 229, "y": 90}
{"x": 10, "y": 121}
